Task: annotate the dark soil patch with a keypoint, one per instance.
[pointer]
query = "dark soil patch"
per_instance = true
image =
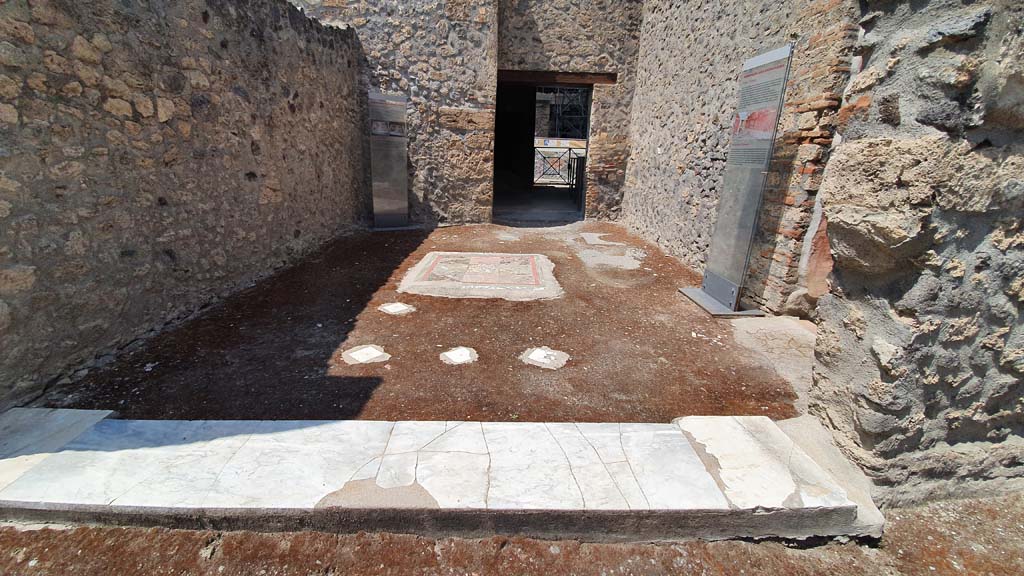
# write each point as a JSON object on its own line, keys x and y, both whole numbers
{"x": 640, "y": 350}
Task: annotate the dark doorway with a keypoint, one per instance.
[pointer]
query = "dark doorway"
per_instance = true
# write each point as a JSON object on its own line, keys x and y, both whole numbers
{"x": 540, "y": 151}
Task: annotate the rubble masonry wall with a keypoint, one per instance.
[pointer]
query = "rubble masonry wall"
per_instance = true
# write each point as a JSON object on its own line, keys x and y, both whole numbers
{"x": 155, "y": 156}
{"x": 920, "y": 350}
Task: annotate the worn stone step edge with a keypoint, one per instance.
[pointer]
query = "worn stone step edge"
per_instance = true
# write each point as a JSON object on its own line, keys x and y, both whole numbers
{"x": 583, "y": 525}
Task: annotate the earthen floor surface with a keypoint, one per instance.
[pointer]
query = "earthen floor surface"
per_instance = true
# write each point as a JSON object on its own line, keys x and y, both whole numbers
{"x": 640, "y": 351}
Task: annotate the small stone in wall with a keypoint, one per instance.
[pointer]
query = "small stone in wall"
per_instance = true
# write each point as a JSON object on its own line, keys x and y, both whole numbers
{"x": 889, "y": 109}
{"x": 82, "y": 50}
{"x": 87, "y": 74}
{"x": 20, "y": 31}
{"x": 116, "y": 88}
{"x": 37, "y": 82}
{"x": 69, "y": 169}
{"x": 72, "y": 89}
{"x": 164, "y": 109}
{"x": 9, "y": 87}
{"x": 8, "y": 114}
{"x": 118, "y": 107}
{"x": 102, "y": 43}
{"x": 17, "y": 278}
{"x": 5, "y": 316}
{"x": 143, "y": 104}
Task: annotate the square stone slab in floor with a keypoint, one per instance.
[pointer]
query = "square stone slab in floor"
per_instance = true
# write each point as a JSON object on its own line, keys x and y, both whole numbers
{"x": 483, "y": 275}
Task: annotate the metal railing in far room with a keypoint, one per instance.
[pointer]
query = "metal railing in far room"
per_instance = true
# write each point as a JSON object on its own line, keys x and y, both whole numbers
{"x": 559, "y": 166}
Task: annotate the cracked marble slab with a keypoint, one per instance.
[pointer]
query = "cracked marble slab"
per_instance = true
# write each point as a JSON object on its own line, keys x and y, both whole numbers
{"x": 759, "y": 466}
{"x": 30, "y": 435}
{"x": 428, "y": 464}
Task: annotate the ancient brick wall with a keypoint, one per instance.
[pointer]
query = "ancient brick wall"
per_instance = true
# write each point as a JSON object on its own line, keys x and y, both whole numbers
{"x": 154, "y": 156}
{"x": 442, "y": 54}
{"x": 572, "y": 36}
{"x": 690, "y": 57}
{"x": 920, "y": 350}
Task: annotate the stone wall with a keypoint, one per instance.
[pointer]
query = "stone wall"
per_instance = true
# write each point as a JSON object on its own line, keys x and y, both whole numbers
{"x": 442, "y": 54}
{"x": 920, "y": 351}
{"x": 573, "y": 36}
{"x": 154, "y": 156}
{"x": 690, "y": 58}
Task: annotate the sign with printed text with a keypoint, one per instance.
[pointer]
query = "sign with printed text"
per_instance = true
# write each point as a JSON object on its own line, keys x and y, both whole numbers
{"x": 762, "y": 89}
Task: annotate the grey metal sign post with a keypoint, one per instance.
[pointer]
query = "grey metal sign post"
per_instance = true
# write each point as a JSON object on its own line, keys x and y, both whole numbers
{"x": 762, "y": 90}
{"x": 388, "y": 160}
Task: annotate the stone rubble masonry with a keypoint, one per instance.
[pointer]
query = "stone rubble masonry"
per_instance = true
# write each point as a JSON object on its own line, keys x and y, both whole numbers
{"x": 572, "y": 36}
{"x": 443, "y": 56}
{"x": 682, "y": 115}
{"x": 156, "y": 156}
{"x": 920, "y": 351}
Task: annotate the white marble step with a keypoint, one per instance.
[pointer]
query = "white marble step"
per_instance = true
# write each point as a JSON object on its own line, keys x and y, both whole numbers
{"x": 711, "y": 467}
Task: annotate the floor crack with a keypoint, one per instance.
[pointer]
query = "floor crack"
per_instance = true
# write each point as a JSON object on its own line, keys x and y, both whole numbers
{"x": 487, "y": 493}
{"x": 605, "y": 464}
{"x": 569, "y": 463}
{"x": 630, "y": 465}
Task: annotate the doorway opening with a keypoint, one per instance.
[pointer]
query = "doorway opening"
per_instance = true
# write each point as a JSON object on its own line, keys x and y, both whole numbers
{"x": 542, "y": 128}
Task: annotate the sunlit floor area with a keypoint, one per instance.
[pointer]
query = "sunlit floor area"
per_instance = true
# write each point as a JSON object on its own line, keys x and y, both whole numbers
{"x": 335, "y": 338}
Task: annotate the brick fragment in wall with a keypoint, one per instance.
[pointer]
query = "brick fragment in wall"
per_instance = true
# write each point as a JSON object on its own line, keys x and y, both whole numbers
{"x": 134, "y": 207}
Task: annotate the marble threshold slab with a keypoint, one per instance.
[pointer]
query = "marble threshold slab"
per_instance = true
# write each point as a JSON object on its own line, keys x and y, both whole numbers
{"x": 715, "y": 476}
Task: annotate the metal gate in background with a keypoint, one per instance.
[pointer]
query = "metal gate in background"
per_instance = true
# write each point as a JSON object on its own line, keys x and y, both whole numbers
{"x": 560, "y": 142}
{"x": 555, "y": 166}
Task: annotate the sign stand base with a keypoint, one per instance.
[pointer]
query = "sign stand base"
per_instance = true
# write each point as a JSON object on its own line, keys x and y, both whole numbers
{"x": 716, "y": 308}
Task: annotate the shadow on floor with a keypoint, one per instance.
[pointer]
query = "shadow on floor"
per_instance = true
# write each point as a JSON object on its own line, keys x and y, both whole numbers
{"x": 262, "y": 354}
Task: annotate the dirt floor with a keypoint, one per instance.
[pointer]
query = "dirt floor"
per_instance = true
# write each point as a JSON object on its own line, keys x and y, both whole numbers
{"x": 976, "y": 537}
{"x": 640, "y": 351}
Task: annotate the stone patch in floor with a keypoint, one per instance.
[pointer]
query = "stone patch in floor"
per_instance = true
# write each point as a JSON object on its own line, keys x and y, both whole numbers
{"x": 544, "y": 357}
{"x": 459, "y": 355}
{"x": 367, "y": 354}
{"x": 396, "y": 308}
{"x": 629, "y": 259}
{"x": 784, "y": 345}
{"x": 594, "y": 239}
{"x": 483, "y": 275}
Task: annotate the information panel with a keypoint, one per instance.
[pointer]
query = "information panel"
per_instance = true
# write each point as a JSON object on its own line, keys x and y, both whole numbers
{"x": 761, "y": 92}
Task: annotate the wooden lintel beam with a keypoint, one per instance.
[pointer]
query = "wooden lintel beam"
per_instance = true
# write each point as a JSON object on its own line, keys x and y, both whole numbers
{"x": 549, "y": 77}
